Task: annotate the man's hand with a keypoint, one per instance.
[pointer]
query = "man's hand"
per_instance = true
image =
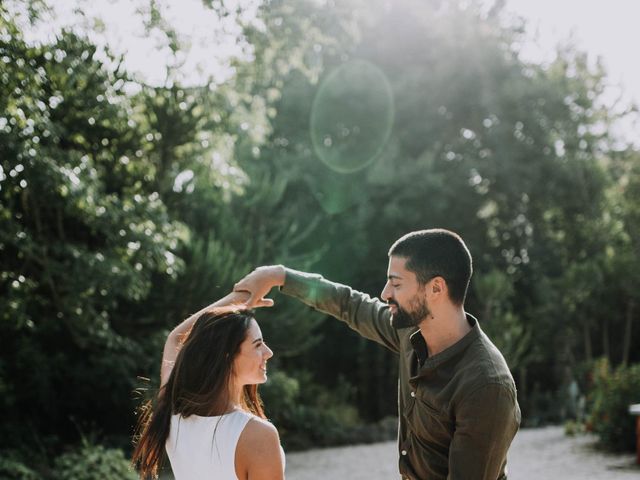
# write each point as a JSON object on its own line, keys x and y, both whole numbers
{"x": 234, "y": 298}
{"x": 259, "y": 283}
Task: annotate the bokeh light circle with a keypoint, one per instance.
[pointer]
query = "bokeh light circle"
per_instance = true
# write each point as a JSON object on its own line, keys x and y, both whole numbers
{"x": 351, "y": 116}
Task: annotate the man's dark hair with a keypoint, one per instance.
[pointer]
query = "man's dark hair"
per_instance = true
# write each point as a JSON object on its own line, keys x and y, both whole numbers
{"x": 437, "y": 253}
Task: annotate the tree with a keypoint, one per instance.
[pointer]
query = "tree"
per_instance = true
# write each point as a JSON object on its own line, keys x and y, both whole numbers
{"x": 83, "y": 232}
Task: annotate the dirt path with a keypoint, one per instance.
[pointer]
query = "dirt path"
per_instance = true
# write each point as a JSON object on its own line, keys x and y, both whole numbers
{"x": 536, "y": 454}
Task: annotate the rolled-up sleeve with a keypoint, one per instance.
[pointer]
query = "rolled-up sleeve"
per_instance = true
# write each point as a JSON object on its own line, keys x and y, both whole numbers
{"x": 368, "y": 316}
{"x": 486, "y": 423}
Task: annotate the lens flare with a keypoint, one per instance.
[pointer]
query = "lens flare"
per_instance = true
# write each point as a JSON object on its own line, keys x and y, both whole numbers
{"x": 351, "y": 116}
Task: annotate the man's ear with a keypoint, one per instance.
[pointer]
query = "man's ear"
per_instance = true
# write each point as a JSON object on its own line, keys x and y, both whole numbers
{"x": 438, "y": 285}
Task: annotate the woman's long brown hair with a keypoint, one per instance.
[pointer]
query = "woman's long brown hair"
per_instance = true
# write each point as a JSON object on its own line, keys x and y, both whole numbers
{"x": 197, "y": 385}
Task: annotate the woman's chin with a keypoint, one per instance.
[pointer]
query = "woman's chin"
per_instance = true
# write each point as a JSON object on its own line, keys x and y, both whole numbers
{"x": 260, "y": 379}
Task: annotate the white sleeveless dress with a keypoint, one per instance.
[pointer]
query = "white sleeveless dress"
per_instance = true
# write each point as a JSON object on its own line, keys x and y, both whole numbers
{"x": 205, "y": 447}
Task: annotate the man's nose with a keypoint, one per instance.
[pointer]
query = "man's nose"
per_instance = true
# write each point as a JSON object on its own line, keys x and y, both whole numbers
{"x": 385, "y": 292}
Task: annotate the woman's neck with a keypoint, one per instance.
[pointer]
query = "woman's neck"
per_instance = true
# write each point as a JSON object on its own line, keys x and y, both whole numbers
{"x": 235, "y": 398}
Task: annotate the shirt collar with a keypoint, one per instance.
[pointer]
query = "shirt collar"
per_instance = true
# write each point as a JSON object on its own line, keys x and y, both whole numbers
{"x": 420, "y": 346}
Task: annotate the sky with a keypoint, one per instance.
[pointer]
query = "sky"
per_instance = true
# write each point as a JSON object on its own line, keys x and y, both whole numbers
{"x": 212, "y": 41}
{"x": 605, "y": 29}
{"x": 608, "y": 29}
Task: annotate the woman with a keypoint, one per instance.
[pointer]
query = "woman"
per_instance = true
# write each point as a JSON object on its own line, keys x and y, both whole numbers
{"x": 208, "y": 414}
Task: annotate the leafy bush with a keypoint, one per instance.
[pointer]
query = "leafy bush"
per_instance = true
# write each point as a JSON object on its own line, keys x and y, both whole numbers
{"x": 573, "y": 428}
{"x": 280, "y": 393}
{"x": 12, "y": 469}
{"x": 308, "y": 415}
{"x": 612, "y": 393}
{"x": 93, "y": 462}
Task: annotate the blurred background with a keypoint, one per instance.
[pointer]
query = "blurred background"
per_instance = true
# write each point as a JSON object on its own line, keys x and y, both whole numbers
{"x": 152, "y": 152}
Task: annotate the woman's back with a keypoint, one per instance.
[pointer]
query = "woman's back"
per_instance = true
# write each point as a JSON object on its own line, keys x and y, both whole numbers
{"x": 207, "y": 447}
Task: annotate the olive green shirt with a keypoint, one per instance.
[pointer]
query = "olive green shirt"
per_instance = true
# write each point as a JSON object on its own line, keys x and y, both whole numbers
{"x": 458, "y": 411}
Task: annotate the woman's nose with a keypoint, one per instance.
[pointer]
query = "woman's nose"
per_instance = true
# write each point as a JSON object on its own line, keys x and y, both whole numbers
{"x": 268, "y": 353}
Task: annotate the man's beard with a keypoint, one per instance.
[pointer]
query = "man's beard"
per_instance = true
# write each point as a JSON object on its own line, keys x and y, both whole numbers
{"x": 416, "y": 313}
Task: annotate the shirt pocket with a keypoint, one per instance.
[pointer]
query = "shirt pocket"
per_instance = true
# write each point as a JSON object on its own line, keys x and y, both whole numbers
{"x": 430, "y": 423}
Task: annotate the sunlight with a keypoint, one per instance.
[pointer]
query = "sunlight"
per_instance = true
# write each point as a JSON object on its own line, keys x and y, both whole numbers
{"x": 607, "y": 31}
{"x": 208, "y": 42}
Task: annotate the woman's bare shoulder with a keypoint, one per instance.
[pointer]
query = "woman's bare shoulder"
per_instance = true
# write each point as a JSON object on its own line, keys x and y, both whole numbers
{"x": 259, "y": 430}
{"x": 258, "y": 452}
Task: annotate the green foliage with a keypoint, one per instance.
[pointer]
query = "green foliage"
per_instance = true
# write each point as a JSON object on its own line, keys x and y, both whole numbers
{"x": 93, "y": 462}
{"x": 573, "y": 428}
{"x": 12, "y": 469}
{"x": 611, "y": 394}
{"x": 124, "y": 207}
{"x": 305, "y": 413}
{"x": 502, "y": 325}
{"x": 82, "y": 235}
{"x": 280, "y": 393}
{"x": 308, "y": 415}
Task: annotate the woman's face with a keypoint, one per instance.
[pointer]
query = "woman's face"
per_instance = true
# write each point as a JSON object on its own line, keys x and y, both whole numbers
{"x": 250, "y": 365}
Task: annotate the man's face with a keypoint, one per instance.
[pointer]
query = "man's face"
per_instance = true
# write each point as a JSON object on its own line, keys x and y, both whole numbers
{"x": 404, "y": 294}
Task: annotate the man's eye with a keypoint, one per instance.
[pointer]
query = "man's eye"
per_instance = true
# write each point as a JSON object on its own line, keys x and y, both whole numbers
{"x": 395, "y": 286}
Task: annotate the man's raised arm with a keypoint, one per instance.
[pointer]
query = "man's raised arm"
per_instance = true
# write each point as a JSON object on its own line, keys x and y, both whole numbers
{"x": 368, "y": 316}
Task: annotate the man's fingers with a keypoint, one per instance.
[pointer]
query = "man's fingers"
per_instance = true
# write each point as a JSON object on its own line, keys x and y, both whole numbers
{"x": 266, "y": 302}
{"x": 252, "y": 301}
{"x": 255, "y": 301}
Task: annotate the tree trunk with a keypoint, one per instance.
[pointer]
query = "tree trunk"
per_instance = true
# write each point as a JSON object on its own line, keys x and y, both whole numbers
{"x": 626, "y": 346}
{"x": 588, "y": 352}
{"x": 605, "y": 340}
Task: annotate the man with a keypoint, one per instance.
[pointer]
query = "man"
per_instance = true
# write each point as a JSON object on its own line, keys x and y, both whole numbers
{"x": 458, "y": 411}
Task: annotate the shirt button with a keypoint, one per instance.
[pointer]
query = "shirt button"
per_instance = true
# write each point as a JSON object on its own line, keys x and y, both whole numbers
{"x": 403, "y": 452}
{"x": 413, "y": 394}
